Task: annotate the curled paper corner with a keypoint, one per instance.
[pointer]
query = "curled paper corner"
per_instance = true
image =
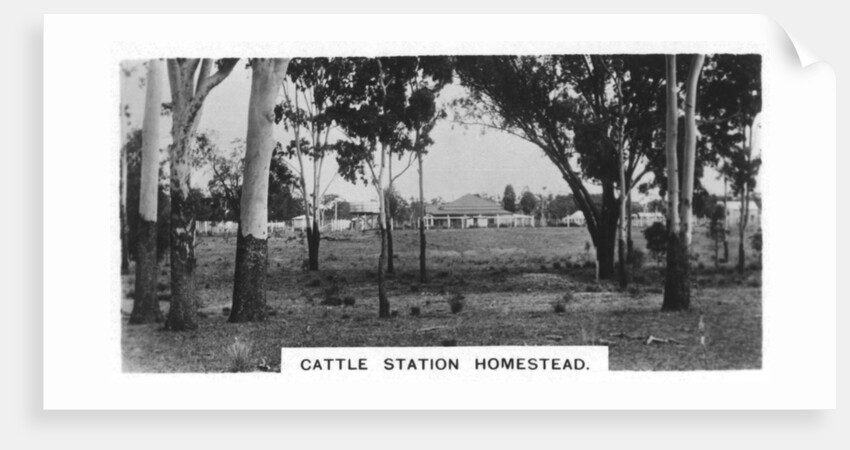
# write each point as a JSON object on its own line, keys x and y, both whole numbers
{"x": 807, "y": 56}
{"x": 803, "y": 53}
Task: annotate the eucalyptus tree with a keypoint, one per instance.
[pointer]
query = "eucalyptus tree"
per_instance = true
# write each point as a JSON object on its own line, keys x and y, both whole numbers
{"x": 731, "y": 97}
{"x": 145, "y": 302}
{"x": 190, "y": 80}
{"x": 369, "y": 105}
{"x": 593, "y": 116}
{"x": 420, "y": 117}
{"x": 677, "y": 290}
{"x": 249, "y": 284}
{"x": 304, "y": 110}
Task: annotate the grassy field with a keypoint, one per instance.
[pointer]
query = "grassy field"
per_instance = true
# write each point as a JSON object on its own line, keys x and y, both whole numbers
{"x": 510, "y": 280}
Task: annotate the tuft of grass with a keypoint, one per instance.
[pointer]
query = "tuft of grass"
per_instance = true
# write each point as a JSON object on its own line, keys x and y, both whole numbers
{"x": 559, "y": 306}
{"x": 238, "y": 356}
{"x": 456, "y": 302}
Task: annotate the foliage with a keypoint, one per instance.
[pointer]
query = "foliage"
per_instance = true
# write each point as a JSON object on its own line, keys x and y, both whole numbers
{"x": 756, "y": 242}
{"x": 397, "y": 206}
{"x": 528, "y": 202}
{"x": 579, "y": 110}
{"x": 717, "y": 223}
{"x": 456, "y": 302}
{"x": 560, "y": 206}
{"x": 656, "y": 240}
{"x": 509, "y": 199}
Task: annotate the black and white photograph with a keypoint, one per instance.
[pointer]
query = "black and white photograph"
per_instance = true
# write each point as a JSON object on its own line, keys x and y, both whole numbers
{"x": 441, "y": 200}
{"x": 557, "y": 213}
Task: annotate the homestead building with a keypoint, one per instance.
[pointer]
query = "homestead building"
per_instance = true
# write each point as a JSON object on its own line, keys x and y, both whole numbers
{"x": 472, "y": 211}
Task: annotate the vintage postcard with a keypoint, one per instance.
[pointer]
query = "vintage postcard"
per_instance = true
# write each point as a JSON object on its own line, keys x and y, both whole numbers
{"x": 514, "y": 220}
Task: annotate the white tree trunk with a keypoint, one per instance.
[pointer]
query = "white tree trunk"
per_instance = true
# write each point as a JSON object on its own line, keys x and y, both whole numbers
{"x": 689, "y": 162}
{"x": 670, "y": 147}
{"x": 265, "y": 85}
{"x": 150, "y": 143}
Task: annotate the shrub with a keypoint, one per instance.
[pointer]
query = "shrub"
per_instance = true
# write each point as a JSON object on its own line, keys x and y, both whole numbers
{"x": 456, "y": 302}
{"x": 556, "y": 265}
{"x": 415, "y": 311}
{"x": 332, "y": 295}
{"x": 756, "y": 243}
{"x": 314, "y": 283}
{"x": 656, "y": 240}
{"x": 449, "y": 342}
{"x": 238, "y": 355}
{"x": 348, "y": 301}
{"x": 559, "y": 306}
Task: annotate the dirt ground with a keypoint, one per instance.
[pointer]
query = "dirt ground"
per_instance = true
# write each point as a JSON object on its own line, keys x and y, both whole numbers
{"x": 509, "y": 279}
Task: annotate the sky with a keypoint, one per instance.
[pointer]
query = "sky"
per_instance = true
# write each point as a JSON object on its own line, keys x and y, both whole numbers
{"x": 461, "y": 160}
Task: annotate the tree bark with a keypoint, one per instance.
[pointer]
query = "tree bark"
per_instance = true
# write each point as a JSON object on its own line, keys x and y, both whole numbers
{"x": 389, "y": 228}
{"x": 689, "y": 157}
{"x": 423, "y": 271}
{"x": 606, "y": 235}
{"x": 676, "y": 287}
{"x": 677, "y": 290}
{"x": 629, "y": 242}
{"x": 249, "y": 287}
{"x": 122, "y": 214}
{"x": 313, "y": 240}
{"x": 187, "y": 100}
{"x": 145, "y": 303}
{"x": 621, "y": 227}
{"x": 742, "y": 226}
{"x": 390, "y": 254}
{"x": 725, "y": 224}
{"x": 383, "y": 301}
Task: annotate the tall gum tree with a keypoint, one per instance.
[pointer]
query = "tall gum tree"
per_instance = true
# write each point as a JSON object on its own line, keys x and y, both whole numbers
{"x": 420, "y": 117}
{"x": 368, "y": 106}
{"x": 307, "y": 98}
{"x": 145, "y": 302}
{"x": 190, "y": 80}
{"x": 568, "y": 106}
{"x": 249, "y": 284}
{"x": 677, "y": 290}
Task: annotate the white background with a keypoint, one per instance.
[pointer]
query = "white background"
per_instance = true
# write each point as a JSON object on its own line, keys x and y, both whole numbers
{"x": 701, "y": 430}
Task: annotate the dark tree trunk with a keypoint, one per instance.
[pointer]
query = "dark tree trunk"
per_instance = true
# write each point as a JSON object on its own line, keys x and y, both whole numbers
{"x": 606, "y": 239}
{"x": 741, "y": 257}
{"x": 390, "y": 255}
{"x": 125, "y": 242}
{"x": 313, "y": 240}
{"x": 181, "y": 314}
{"x": 623, "y": 276}
{"x": 725, "y": 249}
{"x": 677, "y": 292}
{"x": 605, "y": 258}
{"x": 629, "y": 244}
{"x": 145, "y": 303}
{"x": 383, "y": 301}
{"x": 249, "y": 282}
{"x": 423, "y": 271}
